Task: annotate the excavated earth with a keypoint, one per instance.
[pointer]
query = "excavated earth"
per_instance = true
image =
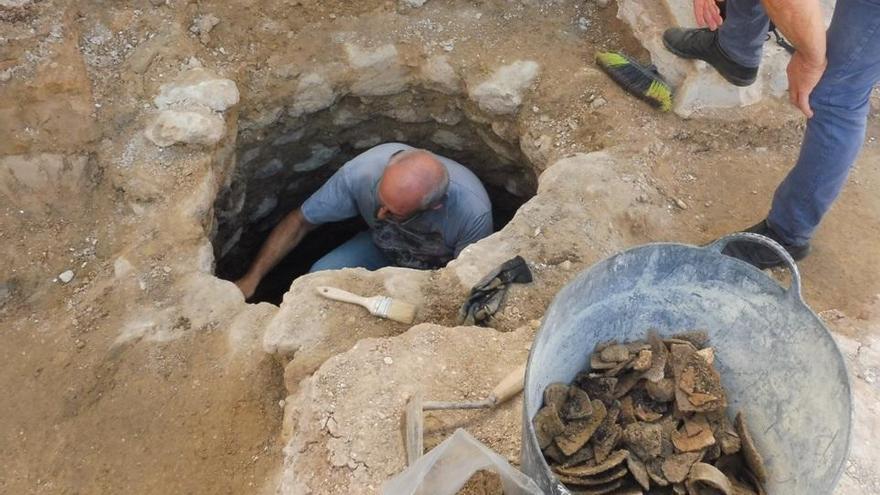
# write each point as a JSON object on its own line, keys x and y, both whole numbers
{"x": 146, "y": 372}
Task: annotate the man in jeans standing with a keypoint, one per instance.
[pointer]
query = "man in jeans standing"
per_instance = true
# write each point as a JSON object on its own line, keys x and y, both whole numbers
{"x": 830, "y": 78}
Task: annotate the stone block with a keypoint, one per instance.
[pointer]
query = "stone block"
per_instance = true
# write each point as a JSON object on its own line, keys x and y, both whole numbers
{"x": 313, "y": 93}
{"x": 200, "y": 88}
{"x": 439, "y": 75}
{"x": 199, "y": 127}
{"x": 321, "y": 155}
{"x": 379, "y": 72}
{"x": 447, "y": 139}
{"x": 271, "y": 168}
{"x": 503, "y": 92}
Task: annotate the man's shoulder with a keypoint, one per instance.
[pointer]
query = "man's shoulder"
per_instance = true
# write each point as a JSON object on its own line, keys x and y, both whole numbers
{"x": 370, "y": 164}
{"x": 468, "y": 189}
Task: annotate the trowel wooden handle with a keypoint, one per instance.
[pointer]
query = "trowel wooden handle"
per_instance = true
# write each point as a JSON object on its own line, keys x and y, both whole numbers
{"x": 511, "y": 385}
{"x": 341, "y": 295}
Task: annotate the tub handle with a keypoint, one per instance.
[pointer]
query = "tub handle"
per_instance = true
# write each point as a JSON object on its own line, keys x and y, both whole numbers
{"x": 794, "y": 291}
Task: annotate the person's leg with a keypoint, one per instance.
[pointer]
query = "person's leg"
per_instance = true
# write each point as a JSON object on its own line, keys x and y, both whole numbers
{"x": 744, "y": 31}
{"x": 357, "y": 252}
{"x": 836, "y": 132}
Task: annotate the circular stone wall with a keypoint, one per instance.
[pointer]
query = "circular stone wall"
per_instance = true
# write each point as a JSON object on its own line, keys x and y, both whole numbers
{"x": 281, "y": 165}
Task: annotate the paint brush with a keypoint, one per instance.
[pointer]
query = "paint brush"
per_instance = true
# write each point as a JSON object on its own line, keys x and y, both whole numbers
{"x": 381, "y": 306}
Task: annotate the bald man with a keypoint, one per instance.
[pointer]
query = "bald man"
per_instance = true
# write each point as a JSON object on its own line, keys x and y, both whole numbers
{"x": 421, "y": 209}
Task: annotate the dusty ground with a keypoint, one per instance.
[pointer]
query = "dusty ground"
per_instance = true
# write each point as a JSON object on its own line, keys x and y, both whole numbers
{"x": 96, "y": 401}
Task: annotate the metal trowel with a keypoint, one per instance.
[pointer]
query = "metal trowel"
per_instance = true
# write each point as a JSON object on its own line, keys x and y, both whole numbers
{"x": 511, "y": 385}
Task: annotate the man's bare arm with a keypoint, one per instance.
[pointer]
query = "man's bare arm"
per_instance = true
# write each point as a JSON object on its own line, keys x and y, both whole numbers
{"x": 802, "y": 23}
{"x": 283, "y": 238}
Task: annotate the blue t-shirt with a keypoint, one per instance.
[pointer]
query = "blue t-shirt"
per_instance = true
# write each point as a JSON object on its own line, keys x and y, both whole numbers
{"x": 464, "y": 218}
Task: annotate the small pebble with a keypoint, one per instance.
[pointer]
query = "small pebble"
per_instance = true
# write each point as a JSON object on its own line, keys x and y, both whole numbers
{"x": 66, "y": 276}
{"x": 388, "y": 360}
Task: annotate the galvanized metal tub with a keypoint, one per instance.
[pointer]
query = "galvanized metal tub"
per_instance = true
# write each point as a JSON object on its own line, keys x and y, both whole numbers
{"x": 777, "y": 360}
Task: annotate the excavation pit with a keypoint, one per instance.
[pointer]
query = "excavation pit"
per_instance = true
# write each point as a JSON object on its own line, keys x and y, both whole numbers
{"x": 280, "y": 167}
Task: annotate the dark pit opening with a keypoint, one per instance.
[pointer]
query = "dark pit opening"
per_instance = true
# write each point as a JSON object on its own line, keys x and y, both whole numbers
{"x": 281, "y": 166}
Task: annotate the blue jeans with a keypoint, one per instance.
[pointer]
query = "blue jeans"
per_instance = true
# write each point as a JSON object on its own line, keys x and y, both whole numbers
{"x": 357, "y": 252}
{"x": 840, "y": 104}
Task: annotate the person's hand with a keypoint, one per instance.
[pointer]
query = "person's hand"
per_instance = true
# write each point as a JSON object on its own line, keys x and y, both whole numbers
{"x": 708, "y": 14}
{"x": 803, "y": 76}
{"x": 247, "y": 286}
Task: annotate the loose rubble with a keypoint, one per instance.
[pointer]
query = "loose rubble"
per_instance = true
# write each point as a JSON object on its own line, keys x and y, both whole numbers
{"x": 657, "y": 423}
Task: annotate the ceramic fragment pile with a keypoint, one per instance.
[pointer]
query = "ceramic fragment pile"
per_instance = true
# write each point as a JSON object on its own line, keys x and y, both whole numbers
{"x": 648, "y": 417}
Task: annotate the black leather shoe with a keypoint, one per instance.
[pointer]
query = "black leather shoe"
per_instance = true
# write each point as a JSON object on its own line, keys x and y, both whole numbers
{"x": 702, "y": 44}
{"x": 760, "y": 255}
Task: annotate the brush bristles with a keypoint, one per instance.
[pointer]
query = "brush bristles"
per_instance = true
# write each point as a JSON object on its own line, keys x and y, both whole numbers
{"x": 636, "y": 79}
{"x": 401, "y": 311}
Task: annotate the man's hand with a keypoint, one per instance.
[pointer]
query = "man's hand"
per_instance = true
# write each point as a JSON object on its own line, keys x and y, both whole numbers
{"x": 708, "y": 14}
{"x": 803, "y": 75}
{"x": 247, "y": 286}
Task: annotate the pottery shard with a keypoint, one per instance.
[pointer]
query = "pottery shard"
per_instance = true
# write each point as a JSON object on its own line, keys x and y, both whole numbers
{"x": 677, "y": 467}
{"x": 753, "y": 458}
{"x": 578, "y": 432}
{"x": 618, "y": 367}
{"x": 708, "y": 354}
{"x": 725, "y": 434}
{"x": 643, "y": 439}
{"x": 548, "y": 425}
{"x": 659, "y": 356}
{"x": 627, "y": 411}
{"x": 707, "y": 475}
{"x": 607, "y": 435}
{"x": 596, "y": 363}
{"x": 698, "y": 384}
{"x": 600, "y": 479}
{"x": 625, "y": 383}
{"x": 743, "y": 480}
{"x": 580, "y": 457}
{"x": 615, "y": 459}
{"x": 553, "y": 453}
{"x": 662, "y": 390}
{"x": 695, "y": 435}
{"x": 577, "y": 405}
{"x": 698, "y": 338}
{"x": 655, "y": 471}
{"x": 638, "y": 470}
{"x": 601, "y": 387}
{"x": 644, "y": 413}
{"x": 615, "y": 353}
{"x": 643, "y": 361}
{"x": 556, "y": 394}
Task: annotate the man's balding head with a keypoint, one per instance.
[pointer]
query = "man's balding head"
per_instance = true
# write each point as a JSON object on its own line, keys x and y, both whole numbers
{"x": 414, "y": 181}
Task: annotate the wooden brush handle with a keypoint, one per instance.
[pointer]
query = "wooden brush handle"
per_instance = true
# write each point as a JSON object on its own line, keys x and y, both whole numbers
{"x": 341, "y": 295}
{"x": 511, "y": 385}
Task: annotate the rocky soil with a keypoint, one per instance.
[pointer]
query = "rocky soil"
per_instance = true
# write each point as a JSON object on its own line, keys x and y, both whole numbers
{"x": 128, "y": 366}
